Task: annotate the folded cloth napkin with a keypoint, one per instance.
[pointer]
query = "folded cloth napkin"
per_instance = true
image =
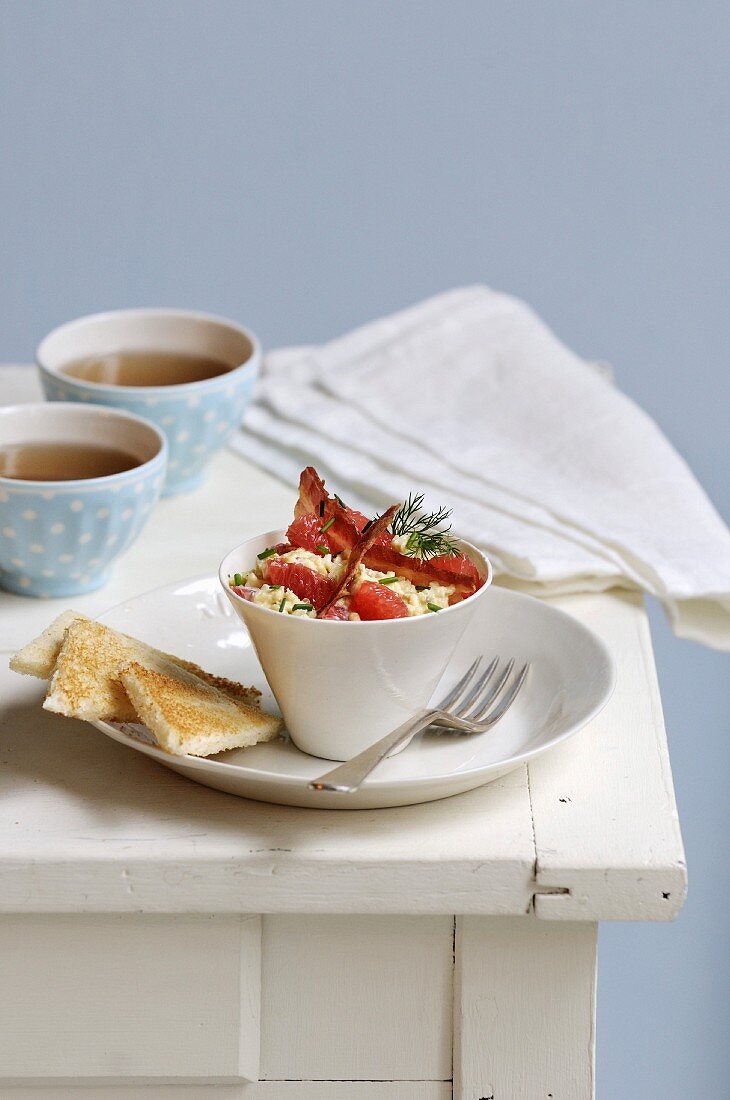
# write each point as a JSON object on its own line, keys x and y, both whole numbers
{"x": 469, "y": 397}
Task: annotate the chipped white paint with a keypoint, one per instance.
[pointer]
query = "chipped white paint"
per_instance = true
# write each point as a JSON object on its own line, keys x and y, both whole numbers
{"x": 611, "y": 849}
{"x": 606, "y": 825}
{"x": 87, "y": 825}
{"x": 524, "y": 1009}
{"x": 263, "y": 1090}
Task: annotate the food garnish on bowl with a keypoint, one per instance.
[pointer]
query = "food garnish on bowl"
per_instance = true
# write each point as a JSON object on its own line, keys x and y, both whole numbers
{"x": 338, "y": 564}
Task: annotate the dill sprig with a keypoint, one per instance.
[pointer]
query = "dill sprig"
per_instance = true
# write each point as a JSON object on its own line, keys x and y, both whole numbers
{"x": 427, "y": 532}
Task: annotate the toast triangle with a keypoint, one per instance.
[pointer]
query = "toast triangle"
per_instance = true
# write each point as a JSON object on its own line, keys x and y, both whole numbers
{"x": 86, "y": 683}
{"x": 38, "y": 658}
{"x": 189, "y": 717}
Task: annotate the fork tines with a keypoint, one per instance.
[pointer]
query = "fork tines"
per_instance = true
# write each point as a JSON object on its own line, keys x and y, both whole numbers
{"x": 482, "y": 698}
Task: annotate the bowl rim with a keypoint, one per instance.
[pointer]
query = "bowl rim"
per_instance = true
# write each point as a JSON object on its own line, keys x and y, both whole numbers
{"x": 481, "y": 558}
{"x": 77, "y": 484}
{"x": 218, "y": 381}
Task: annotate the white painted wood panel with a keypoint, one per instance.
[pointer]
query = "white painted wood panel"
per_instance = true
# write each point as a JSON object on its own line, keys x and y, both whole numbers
{"x": 132, "y": 997}
{"x": 85, "y": 824}
{"x": 356, "y": 997}
{"x": 264, "y": 1090}
{"x": 524, "y": 1009}
{"x": 606, "y": 824}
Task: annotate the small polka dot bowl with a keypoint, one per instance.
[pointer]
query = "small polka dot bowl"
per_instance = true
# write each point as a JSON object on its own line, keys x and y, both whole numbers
{"x": 197, "y": 417}
{"x": 59, "y": 537}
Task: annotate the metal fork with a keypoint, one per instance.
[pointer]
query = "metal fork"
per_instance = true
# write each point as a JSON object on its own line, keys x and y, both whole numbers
{"x": 472, "y": 706}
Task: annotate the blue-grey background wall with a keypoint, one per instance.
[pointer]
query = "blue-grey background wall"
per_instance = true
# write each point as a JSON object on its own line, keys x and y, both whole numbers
{"x": 306, "y": 167}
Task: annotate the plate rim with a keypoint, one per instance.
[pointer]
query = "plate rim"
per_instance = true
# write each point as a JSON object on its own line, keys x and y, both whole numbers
{"x": 375, "y": 784}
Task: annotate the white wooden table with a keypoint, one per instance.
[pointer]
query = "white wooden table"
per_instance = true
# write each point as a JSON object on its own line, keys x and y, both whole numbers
{"x": 162, "y": 940}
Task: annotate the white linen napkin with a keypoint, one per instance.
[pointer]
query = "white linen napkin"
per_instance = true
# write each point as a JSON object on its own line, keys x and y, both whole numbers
{"x": 563, "y": 480}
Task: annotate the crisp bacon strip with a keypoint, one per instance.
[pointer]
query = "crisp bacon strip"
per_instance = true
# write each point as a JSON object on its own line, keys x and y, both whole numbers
{"x": 339, "y": 610}
{"x": 459, "y": 572}
{"x": 358, "y": 552}
{"x": 311, "y": 492}
{"x": 345, "y": 532}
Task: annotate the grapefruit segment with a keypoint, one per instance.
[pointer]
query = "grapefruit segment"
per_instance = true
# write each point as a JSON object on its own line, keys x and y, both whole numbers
{"x": 356, "y": 517}
{"x": 306, "y": 532}
{"x": 304, "y": 582}
{"x": 376, "y": 601}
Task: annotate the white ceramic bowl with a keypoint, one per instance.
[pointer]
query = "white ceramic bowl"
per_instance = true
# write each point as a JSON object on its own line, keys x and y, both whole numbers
{"x": 197, "y": 417}
{"x": 342, "y": 685}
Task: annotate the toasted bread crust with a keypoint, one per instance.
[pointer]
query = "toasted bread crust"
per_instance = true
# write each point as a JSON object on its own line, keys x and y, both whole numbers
{"x": 250, "y": 696}
{"x": 189, "y": 716}
{"x": 86, "y": 679}
{"x": 85, "y": 682}
{"x": 38, "y": 658}
{"x": 93, "y": 670}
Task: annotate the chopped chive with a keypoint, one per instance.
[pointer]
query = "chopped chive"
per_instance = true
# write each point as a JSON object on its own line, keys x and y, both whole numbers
{"x": 433, "y": 607}
{"x": 327, "y": 525}
{"x": 422, "y": 587}
{"x": 387, "y": 580}
{"x": 340, "y": 501}
{"x": 367, "y": 526}
{"x": 322, "y": 549}
{"x": 237, "y": 578}
{"x": 321, "y": 507}
{"x": 302, "y": 607}
{"x": 282, "y": 605}
{"x": 267, "y": 553}
{"x": 274, "y": 586}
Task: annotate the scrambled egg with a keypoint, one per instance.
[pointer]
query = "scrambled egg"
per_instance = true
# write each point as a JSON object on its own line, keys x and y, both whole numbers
{"x": 278, "y": 598}
{"x": 321, "y": 563}
{"x": 416, "y": 601}
{"x": 284, "y": 600}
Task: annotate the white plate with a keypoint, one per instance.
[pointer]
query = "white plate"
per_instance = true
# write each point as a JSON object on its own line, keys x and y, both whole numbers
{"x": 571, "y": 680}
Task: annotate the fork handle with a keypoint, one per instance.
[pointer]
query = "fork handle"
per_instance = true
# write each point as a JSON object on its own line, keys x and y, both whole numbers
{"x": 349, "y": 776}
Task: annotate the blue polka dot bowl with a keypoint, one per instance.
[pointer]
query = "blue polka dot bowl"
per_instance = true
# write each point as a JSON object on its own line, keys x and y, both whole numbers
{"x": 197, "y": 417}
{"x": 60, "y": 537}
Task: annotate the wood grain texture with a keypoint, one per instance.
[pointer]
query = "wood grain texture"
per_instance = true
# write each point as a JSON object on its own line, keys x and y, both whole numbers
{"x": 263, "y": 1090}
{"x": 133, "y": 997}
{"x": 356, "y": 997}
{"x": 87, "y": 825}
{"x": 524, "y": 1009}
{"x": 606, "y": 824}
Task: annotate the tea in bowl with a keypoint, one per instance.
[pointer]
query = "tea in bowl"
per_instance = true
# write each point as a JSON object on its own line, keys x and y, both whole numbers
{"x": 190, "y": 373}
{"x": 77, "y": 485}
